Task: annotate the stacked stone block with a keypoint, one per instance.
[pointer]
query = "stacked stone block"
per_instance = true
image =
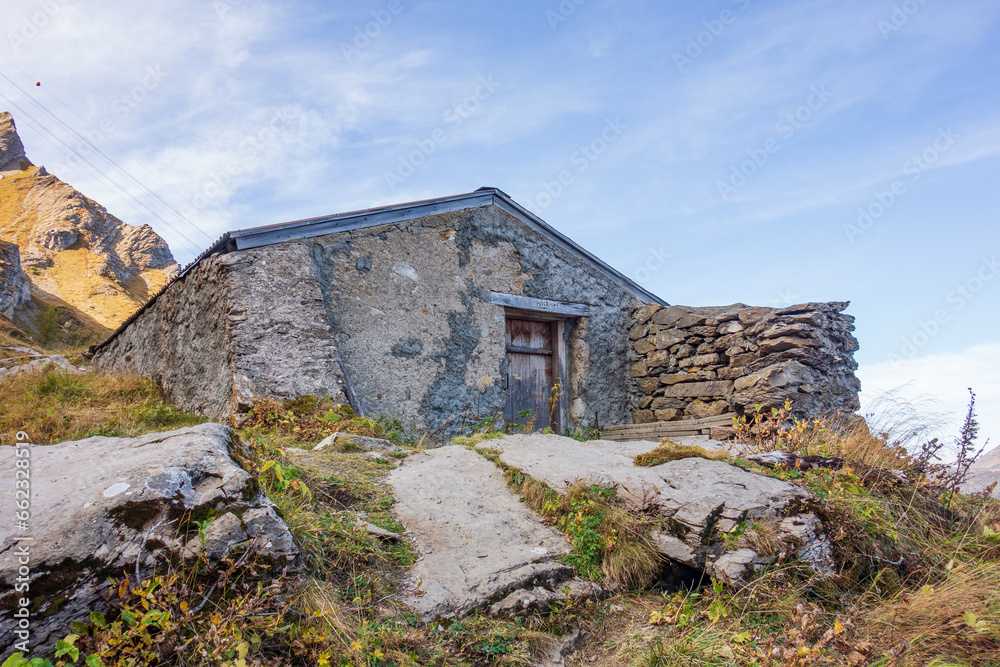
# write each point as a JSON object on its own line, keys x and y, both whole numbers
{"x": 702, "y": 362}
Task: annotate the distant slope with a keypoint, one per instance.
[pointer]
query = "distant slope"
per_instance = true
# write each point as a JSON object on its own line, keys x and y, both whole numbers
{"x": 92, "y": 267}
{"x": 985, "y": 472}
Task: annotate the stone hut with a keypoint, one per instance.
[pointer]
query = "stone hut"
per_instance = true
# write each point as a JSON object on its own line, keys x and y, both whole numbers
{"x": 457, "y": 309}
{"x": 425, "y": 311}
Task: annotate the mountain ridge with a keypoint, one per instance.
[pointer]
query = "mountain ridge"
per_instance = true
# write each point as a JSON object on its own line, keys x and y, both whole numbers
{"x": 76, "y": 257}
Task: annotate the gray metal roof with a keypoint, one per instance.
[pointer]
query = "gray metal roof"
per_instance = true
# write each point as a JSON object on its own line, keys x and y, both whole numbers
{"x": 255, "y": 237}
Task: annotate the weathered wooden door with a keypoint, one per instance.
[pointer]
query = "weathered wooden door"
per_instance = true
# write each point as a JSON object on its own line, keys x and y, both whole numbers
{"x": 530, "y": 372}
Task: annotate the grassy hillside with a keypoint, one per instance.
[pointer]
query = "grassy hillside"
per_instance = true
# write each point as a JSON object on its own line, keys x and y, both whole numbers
{"x": 920, "y": 582}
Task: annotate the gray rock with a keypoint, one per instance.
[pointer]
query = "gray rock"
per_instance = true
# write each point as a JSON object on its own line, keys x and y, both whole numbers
{"x": 99, "y": 505}
{"x": 361, "y": 442}
{"x": 32, "y": 361}
{"x": 11, "y": 149}
{"x": 563, "y": 646}
{"x": 670, "y": 315}
{"x": 15, "y": 288}
{"x": 702, "y": 498}
{"x": 380, "y": 533}
{"x": 477, "y": 542}
{"x": 730, "y": 327}
{"x": 525, "y": 600}
{"x": 690, "y": 389}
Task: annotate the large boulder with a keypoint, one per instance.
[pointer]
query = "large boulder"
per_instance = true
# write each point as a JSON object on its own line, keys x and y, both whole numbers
{"x": 102, "y": 507}
{"x": 701, "y": 499}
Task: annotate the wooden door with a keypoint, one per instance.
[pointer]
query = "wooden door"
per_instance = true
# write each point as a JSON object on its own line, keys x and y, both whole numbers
{"x": 531, "y": 370}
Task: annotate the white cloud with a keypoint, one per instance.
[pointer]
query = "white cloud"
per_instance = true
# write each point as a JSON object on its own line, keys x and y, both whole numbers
{"x": 941, "y": 381}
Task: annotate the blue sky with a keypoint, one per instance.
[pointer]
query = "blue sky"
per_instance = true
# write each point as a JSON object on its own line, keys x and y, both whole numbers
{"x": 774, "y": 152}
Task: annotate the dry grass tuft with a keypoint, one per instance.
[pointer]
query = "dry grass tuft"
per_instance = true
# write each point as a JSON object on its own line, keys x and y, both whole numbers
{"x": 476, "y": 439}
{"x": 668, "y": 450}
{"x": 631, "y": 559}
{"x": 759, "y": 536}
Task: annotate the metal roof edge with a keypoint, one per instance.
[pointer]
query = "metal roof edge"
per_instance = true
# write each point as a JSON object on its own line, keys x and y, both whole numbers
{"x": 256, "y": 237}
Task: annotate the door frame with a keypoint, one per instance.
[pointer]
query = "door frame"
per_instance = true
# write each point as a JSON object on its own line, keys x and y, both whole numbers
{"x": 519, "y": 307}
{"x": 560, "y": 362}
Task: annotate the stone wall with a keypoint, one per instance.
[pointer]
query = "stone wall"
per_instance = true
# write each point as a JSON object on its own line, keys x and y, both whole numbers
{"x": 702, "y": 362}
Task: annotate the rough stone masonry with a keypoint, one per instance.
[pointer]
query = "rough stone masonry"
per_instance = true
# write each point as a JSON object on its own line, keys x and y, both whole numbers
{"x": 702, "y": 362}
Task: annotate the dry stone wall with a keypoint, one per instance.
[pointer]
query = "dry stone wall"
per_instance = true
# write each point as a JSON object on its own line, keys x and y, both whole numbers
{"x": 237, "y": 327}
{"x": 703, "y": 362}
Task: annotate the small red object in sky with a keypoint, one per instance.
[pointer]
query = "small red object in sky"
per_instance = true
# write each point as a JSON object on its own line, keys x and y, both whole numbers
{"x": 38, "y": 83}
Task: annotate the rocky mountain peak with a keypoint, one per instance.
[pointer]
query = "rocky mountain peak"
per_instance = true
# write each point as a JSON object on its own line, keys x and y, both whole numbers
{"x": 12, "y": 155}
{"x": 77, "y": 257}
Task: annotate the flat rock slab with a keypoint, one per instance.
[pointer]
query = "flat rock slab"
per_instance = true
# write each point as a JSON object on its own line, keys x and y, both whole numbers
{"x": 477, "y": 542}
{"x": 560, "y": 461}
{"x": 703, "y": 498}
